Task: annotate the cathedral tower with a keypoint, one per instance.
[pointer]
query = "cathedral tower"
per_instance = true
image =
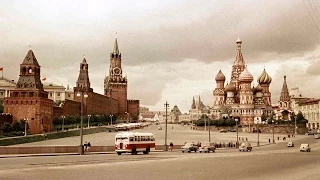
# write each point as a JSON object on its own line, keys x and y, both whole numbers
{"x": 285, "y": 102}
{"x": 238, "y": 66}
{"x": 29, "y": 101}
{"x": 219, "y": 93}
{"x": 264, "y": 81}
{"x": 115, "y": 85}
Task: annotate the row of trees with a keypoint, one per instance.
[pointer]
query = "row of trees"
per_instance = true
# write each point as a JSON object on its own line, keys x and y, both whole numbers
{"x": 15, "y": 126}
{"x": 95, "y": 120}
{"x": 231, "y": 122}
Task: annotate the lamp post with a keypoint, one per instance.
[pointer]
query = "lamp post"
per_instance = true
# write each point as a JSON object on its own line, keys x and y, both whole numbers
{"x": 236, "y": 119}
{"x": 205, "y": 124}
{"x": 258, "y": 130}
{"x": 89, "y": 120}
{"x": 25, "y": 127}
{"x": 166, "y": 129}
{"x": 295, "y": 125}
{"x": 111, "y": 115}
{"x": 82, "y": 95}
{"x": 273, "y": 131}
{"x": 127, "y": 116}
{"x": 209, "y": 126}
{"x": 63, "y": 122}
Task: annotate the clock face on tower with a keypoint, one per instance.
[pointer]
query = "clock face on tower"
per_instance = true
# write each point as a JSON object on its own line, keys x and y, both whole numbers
{"x": 116, "y": 71}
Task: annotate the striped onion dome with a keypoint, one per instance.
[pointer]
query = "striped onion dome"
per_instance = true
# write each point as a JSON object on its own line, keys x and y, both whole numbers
{"x": 264, "y": 78}
{"x": 246, "y": 76}
{"x": 220, "y": 76}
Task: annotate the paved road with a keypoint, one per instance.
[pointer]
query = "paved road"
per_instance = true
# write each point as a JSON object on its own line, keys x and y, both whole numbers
{"x": 275, "y": 161}
{"x": 178, "y": 135}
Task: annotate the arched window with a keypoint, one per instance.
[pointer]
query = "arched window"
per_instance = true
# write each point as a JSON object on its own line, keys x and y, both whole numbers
{"x": 30, "y": 70}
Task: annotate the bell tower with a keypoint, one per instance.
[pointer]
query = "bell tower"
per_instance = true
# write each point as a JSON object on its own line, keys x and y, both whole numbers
{"x": 115, "y": 85}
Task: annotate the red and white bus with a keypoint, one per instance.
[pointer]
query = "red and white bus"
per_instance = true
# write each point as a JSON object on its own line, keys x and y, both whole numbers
{"x": 134, "y": 142}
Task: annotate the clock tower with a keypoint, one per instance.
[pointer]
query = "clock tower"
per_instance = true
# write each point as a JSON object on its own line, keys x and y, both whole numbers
{"x": 115, "y": 85}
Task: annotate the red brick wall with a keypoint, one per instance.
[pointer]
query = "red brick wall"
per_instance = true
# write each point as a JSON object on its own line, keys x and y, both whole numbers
{"x": 119, "y": 92}
{"x": 133, "y": 107}
{"x": 38, "y": 111}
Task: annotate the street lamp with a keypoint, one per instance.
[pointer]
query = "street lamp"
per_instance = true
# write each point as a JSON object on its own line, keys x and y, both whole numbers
{"x": 82, "y": 95}
{"x": 166, "y": 105}
{"x": 63, "y": 122}
{"x": 273, "y": 131}
{"x": 295, "y": 125}
{"x": 209, "y": 126}
{"x": 89, "y": 120}
{"x": 111, "y": 115}
{"x": 258, "y": 120}
{"x": 25, "y": 127}
{"x": 127, "y": 116}
{"x": 236, "y": 119}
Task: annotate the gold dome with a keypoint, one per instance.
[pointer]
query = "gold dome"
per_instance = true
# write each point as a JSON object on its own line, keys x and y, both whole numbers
{"x": 264, "y": 78}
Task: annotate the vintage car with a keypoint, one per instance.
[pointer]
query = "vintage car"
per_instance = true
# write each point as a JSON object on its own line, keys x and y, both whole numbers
{"x": 188, "y": 147}
{"x": 207, "y": 147}
{"x": 290, "y": 144}
{"x": 245, "y": 147}
{"x": 305, "y": 148}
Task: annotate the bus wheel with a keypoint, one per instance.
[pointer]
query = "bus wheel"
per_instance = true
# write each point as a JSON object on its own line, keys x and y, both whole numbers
{"x": 134, "y": 150}
{"x": 147, "y": 150}
{"x": 119, "y": 153}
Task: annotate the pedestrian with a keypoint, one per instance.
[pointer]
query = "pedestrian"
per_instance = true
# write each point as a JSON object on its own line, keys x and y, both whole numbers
{"x": 278, "y": 138}
{"x": 269, "y": 140}
{"x": 89, "y": 146}
{"x": 171, "y": 146}
{"x": 85, "y": 146}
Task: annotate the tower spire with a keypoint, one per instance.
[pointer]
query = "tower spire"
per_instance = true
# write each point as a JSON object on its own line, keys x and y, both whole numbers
{"x": 193, "y": 106}
{"x": 239, "y": 58}
{"x": 284, "y": 92}
{"x": 116, "y": 47}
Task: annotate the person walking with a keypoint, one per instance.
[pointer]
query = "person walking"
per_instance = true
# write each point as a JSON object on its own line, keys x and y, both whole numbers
{"x": 89, "y": 146}
{"x": 171, "y": 146}
{"x": 85, "y": 146}
{"x": 269, "y": 140}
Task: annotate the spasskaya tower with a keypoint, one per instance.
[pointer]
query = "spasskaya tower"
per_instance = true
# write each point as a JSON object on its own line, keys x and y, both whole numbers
{"x": 115, "y": 85}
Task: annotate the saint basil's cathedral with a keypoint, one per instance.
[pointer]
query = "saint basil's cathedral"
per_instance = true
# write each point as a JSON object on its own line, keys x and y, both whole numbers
{"x": 239, "y": 98}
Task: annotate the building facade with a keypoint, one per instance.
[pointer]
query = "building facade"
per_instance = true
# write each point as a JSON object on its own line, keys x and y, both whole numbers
{"x": 116, "y": 86}
{"x": 28, "y": 101}
{"x": 239, "y": 98}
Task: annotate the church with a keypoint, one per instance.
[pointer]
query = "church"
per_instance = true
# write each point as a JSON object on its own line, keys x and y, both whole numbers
{"x": 238, "y": 98}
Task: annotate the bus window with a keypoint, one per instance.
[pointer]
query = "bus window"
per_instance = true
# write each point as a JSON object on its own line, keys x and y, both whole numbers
{"x": 136, "y": 138}
{"x": 148, "y": 138}
{"x": 131, "y": 139}
{"x": 139, "y": 138}
{"x": 143, "y": 138}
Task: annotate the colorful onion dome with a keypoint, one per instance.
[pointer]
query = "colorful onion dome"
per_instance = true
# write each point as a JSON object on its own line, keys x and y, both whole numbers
{"x": 230, "y": 88}
{"x": 220, "y": 76}
{"x": 246, "y": 76}
{"x": 264, "y": 78}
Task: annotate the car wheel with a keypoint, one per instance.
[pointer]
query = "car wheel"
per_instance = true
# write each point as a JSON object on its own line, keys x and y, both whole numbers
{"x": 189, "y": 151}
{"x": 182, "y": 151}
{"x": 200, "y": 151}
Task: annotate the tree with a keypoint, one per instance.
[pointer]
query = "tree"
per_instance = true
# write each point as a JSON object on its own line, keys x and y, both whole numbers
{"x": 300, "y": 118}
{"x": 6, "y": 127}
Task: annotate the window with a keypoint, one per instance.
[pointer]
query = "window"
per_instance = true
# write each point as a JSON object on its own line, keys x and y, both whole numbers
{"x": 58, "y": 94}
{"x": 131, "y": 139}
{"x": 50, "y": 94}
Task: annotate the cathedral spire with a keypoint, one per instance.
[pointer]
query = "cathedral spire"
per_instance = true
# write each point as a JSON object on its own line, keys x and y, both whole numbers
{"x": 239, "y": 58}
{"x": 284, "y": 92}
{"x": 193, "y": 106}
{"x": 116, "y": 47}
{"x": 83, "y": 79}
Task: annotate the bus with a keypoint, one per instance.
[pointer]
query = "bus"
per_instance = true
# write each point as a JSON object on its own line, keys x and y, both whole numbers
{"x": 134, "y": 142}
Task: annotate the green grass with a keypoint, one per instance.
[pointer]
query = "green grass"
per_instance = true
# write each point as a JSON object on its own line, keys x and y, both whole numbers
{"x": 54, "y": 135}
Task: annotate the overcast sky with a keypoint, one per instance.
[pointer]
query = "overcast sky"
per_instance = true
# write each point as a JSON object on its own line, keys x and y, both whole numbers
{"x": 171, "y": 49}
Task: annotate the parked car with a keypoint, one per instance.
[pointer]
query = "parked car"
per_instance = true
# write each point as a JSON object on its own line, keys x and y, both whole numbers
{"x": 232, "y": 130}
{"x": 245, "y": 147}
{"x": 255, "y": 131}
{"x": 305, "y": 148}
{"x": 290, "y": 144}
{"x": 207, "y": 147}
{"x": 316, "y": 136}
{"x": 312, "y": 132}
{"x": 160, "y": 128}
{"x": 189, "y": 147}
{"x": 223, "y": 131}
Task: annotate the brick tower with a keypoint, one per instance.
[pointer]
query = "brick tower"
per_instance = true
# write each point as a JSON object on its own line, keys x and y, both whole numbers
{"x": 29, "y": 101}
{"x": 115, "y": 85}
{"x": 83, "y": 87}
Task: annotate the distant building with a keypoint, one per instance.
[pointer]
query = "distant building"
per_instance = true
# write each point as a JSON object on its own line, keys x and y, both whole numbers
{"x": 197, "y": 109}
